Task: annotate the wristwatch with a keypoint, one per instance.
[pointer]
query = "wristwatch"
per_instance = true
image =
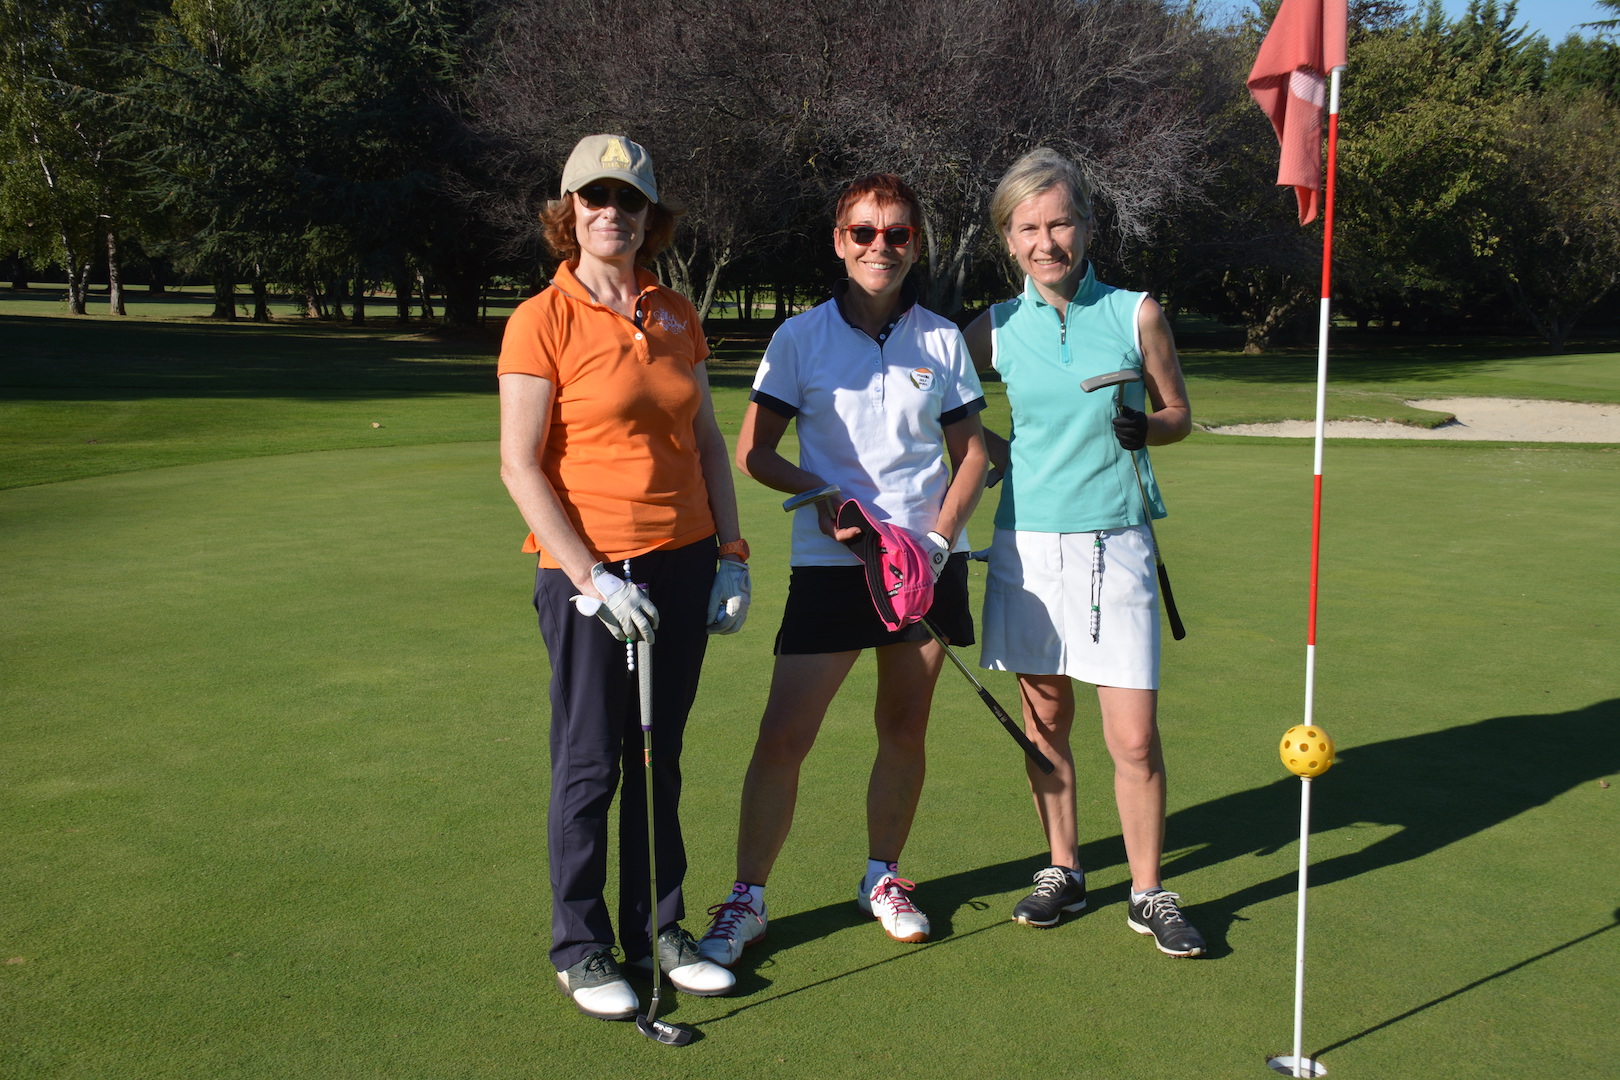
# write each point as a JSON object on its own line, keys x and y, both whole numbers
{"x": 738, "y": 548}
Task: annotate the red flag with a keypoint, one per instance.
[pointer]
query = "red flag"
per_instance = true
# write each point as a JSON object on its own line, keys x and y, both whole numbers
{"x": 1289, "y": 83}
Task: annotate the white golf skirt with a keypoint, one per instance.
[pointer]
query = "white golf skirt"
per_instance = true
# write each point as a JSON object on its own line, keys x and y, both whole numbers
{"x": 1085, "y": 605}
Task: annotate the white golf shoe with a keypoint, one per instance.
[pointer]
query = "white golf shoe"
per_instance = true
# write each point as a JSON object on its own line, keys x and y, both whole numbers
{"x": 736, "y": 925}
{"x": 597, "y": 988}
{"x": 889, "y": 904}
{"x": 687, "y": 971}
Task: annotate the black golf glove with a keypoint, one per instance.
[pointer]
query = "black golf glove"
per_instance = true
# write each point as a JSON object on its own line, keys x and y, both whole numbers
{"x": 1130, "y": 428}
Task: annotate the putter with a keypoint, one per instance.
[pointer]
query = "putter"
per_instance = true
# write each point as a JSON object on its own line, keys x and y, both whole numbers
{"x": 826, "y": 492}
{"x": 1118, "y": 379}
{"x": 649, "y": 1025}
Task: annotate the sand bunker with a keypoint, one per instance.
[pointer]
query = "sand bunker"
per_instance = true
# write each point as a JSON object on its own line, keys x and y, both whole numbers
{"x": 1503, "y": 419}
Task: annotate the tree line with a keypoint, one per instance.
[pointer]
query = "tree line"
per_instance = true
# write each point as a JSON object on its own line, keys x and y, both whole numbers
{"x": 321, "y": 148}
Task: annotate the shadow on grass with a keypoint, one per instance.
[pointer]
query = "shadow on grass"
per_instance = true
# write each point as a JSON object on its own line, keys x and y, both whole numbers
{"x": 1461, "y": 990}
{"x": 1435, "y": 788}
{"x": 750, "y": 982}
{"x": 67, "y": 359}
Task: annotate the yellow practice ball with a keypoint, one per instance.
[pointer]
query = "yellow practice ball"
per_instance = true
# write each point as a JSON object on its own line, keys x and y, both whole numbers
{"x": 1307, "y": 750}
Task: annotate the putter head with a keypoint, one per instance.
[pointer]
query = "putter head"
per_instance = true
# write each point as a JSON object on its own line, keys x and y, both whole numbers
{"x": 814, "y": 495}
{"x": 663, "y": 1031}
{"x": 1113, "y": 378}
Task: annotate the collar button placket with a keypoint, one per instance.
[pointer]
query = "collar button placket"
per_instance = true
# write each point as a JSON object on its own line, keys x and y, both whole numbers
{"x": 877, "y": 376}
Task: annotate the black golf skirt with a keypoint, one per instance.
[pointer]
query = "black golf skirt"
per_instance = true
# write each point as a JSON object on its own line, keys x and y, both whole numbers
{"x": 829, "y": 609}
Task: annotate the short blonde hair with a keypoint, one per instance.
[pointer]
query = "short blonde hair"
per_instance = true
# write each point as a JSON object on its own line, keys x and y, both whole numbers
{"x": 1036, "y": 171}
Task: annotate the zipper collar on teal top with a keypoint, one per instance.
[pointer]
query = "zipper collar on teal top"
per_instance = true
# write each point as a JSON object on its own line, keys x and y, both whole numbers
{"x": 1082, "y": 292}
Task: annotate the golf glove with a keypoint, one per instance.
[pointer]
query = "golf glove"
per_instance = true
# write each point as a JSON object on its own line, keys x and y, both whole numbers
{"x": 1130, "y": 428}
{"x": 625, "y": 609}
{"x": 938, "y": 550}
{"x": 728, "y": 597}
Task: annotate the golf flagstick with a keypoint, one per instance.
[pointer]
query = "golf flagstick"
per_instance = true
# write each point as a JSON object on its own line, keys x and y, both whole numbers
{"x": 1305, "y": 48}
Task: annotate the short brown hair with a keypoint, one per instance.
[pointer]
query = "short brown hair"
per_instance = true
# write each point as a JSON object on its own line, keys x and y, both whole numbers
{"x": 557, "y": 230}
{"x": 887, "y": 189}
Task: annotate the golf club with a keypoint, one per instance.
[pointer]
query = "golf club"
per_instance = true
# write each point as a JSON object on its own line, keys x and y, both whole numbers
{"x": 828, "y": 492}
{"x": 1118, "y": 379}
{"x": 649, "y": 1025}
{"x": 1041, "y": 761}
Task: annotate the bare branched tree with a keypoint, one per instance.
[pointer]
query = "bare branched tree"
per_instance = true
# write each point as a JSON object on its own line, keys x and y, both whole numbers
{"x": 756, "y": 119}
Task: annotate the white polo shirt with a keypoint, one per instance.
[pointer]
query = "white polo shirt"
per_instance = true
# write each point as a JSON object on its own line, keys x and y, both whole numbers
{"x": 871, "y": 415}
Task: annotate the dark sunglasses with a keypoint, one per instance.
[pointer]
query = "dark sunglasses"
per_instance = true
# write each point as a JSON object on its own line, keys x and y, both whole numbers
{"x": 896, "y": 236}
{"x": 595, "y": 196}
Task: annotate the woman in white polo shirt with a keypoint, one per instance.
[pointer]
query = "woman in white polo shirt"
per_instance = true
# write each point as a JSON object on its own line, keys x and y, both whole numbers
{"x": 1071, "y": 594}
{"x": 882, "y": 392}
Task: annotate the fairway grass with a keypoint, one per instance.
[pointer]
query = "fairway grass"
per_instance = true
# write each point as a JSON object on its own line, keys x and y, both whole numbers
{"x": 275, "y": 788}
{"x": 273, "y": 707}
{"x": 90, "y": 396}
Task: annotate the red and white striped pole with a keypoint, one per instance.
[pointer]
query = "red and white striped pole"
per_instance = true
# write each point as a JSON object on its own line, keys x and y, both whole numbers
{"x": 1324, "y": 319}
{"x": 1299, "y": 1065}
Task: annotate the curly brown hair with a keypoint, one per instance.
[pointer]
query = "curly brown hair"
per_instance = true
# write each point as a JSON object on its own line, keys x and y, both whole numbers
{"x": 557, "y": 230}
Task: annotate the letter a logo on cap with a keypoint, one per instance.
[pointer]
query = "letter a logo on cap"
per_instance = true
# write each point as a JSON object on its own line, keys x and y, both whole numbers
{"x": 615, "y": 156}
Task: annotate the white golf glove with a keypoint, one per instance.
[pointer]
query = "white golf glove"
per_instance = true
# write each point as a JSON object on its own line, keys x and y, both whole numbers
{"x": 938, "y": 550}
{"x": 728, "y": 597}
{"x": 625, "y": 611}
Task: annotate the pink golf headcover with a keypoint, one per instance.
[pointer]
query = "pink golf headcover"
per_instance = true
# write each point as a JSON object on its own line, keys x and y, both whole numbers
{"x": 897, "y": 569}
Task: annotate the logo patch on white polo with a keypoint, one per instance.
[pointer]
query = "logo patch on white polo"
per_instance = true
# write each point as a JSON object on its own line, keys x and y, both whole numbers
{"x": 922, "y": 378}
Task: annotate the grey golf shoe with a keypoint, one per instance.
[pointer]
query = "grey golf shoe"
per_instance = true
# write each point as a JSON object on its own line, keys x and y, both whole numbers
{"x": 597, "y": 987}
{"x": 1057, "y": 889}
{"x": 1158, "y": 914}
{"x": 686, "y": 969}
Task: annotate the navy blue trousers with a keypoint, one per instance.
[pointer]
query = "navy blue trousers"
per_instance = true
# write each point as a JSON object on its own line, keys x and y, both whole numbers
{"x": 596, "y": 752}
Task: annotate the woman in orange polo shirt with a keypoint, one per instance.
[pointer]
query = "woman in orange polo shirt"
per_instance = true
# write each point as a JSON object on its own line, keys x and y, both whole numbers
{"x": 610, "y": 449}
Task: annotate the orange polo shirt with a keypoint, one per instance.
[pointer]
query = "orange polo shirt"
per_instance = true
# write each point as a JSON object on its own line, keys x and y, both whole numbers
{"x": 621, "y": 452}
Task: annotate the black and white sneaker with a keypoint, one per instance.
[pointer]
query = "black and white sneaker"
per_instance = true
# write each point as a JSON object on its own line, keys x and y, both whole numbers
{"x": 1057, "y": 889}
{"x": 689, "y": 971}
{"x": 1158, "y": 914}
{"x": 597, "y": 988}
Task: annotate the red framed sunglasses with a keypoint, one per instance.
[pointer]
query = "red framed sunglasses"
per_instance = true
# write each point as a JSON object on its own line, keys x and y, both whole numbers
{"x": 896, "y": 236}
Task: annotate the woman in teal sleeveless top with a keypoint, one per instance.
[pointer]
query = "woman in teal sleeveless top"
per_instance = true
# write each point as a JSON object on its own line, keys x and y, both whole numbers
{"x": 1072, "y": 592}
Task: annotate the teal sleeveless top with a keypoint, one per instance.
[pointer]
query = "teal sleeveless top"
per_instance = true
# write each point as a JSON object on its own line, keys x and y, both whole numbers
{"x": 1069, "y": 473}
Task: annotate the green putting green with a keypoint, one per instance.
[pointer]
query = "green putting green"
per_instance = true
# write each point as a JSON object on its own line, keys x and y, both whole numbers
{"x": 274, "y": 787}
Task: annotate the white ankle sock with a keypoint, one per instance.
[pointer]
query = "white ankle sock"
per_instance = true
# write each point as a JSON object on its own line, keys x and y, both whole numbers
{"x": 876, "y": 868}
{"x": 750, "y": 894}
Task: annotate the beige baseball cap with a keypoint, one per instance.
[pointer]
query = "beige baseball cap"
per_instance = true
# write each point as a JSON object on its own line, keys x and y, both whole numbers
{"x": 599, "y": 156}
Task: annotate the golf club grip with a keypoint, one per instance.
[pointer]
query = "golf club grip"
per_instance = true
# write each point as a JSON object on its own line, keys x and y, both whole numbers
{"x": 1177, "y": 630}
{"x": 1041, "y": 761}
